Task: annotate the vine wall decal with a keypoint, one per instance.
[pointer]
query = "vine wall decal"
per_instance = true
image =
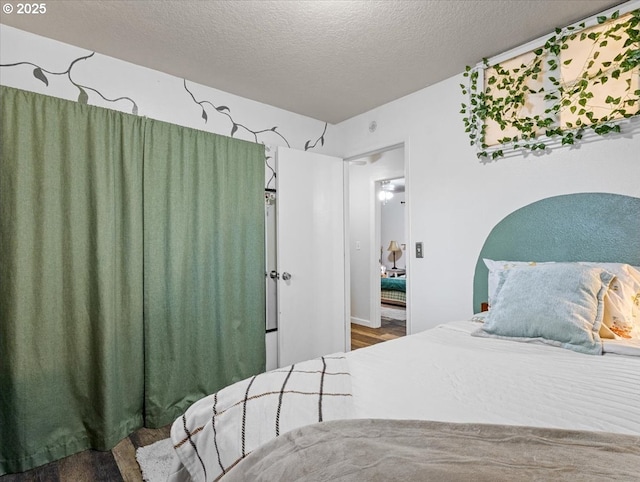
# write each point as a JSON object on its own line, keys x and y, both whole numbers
{"x": 43, "y": 75}
{"x": 308, "y": 145}
{"x": 83, "y": 97}
{"x": 267, "y": 150}
{"x": 226, "y": 111}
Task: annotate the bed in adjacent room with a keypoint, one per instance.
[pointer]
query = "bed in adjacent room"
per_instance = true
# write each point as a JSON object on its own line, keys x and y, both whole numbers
{"x": 545, "y": 385}
{"x": 393, "y": 291}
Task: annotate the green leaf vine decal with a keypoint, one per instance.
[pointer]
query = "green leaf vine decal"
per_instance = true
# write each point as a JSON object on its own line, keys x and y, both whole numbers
{"x": 83, "y": 97}
{"x": 582, "y": 79}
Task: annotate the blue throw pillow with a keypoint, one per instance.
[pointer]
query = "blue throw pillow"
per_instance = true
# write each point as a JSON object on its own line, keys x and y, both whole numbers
{"x": 556, "y": 304}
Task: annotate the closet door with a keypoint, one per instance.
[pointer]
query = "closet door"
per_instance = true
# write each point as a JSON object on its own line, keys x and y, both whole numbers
{"x": 311, "y": 256}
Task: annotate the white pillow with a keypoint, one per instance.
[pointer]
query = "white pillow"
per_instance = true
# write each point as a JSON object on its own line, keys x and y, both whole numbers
{"x": 634, "y": 272}
{"x": 621, "y": 311}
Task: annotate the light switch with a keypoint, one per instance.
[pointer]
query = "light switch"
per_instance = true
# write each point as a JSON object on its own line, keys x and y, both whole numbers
{"x": 419, "y": 251}
{"x": 358, "y": 245}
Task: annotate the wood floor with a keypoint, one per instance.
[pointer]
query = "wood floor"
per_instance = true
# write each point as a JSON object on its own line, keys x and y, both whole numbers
{"x": 93, "y": 466}
{"x": 362, "y": 336}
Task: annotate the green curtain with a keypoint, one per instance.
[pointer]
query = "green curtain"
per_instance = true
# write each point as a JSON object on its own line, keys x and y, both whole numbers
{"x": 82, "y": 364}
{"x": 71, "y": 335}
{"x": 204, "y": 266}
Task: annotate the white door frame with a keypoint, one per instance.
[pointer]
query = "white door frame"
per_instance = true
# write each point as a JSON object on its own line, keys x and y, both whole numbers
{"x": 375, "y": 285}
{"x": 347, "y": 258}
{"x": 374, "y": 263}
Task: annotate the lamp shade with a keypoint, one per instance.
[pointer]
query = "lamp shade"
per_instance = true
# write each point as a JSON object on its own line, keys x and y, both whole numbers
{"x": 393, "y": 246}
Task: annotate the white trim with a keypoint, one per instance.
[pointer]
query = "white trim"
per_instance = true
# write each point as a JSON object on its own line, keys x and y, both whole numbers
{"x": 409, "y": 236}
{"x": 375, "y": 255}
{"x": 362, "y": 322}
{"x": 374, "y": 151}
{"x": 376, "y": 148}
{"x": 347, "y": 255}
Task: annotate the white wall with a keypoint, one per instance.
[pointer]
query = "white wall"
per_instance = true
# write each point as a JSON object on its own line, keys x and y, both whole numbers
{"x": 362, "y": 217}
{"x": 454, "y": 200}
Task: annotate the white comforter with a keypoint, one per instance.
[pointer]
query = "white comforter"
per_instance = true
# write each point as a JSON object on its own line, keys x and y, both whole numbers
{"x": 443, "y": 374}
{"x": 447, "y": 375}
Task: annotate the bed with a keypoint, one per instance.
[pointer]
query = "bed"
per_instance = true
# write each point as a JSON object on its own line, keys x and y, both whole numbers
{"x": 468, "y": 398}
{"x": 393, "y": 291}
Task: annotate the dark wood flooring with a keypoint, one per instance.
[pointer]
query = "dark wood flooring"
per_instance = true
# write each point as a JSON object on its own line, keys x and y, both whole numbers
{"x": 94, "y": 466}
{"x": 362, "y": 336}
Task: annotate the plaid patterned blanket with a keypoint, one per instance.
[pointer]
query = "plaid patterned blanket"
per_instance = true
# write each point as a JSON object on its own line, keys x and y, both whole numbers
{"x": 218, "y": 431}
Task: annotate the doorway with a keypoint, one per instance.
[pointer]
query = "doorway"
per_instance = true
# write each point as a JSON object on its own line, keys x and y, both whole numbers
{"x": 393, "y": 259}
{"x": 378, "y": 236}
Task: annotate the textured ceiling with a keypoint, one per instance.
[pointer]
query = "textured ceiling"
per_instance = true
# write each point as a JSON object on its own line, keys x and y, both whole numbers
{"x": 329, "y": 60}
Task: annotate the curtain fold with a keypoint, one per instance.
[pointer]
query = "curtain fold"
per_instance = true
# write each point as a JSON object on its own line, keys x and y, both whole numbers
{"x": 131, "y": 273}
{"x": 71, "y": 335}
{"x": 204, "y": 266}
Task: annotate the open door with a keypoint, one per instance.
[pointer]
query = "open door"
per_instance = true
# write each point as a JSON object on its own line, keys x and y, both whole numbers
{"x": 311, "y": 256}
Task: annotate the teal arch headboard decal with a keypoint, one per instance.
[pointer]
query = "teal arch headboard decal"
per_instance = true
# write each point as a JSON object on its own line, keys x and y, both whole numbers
{"x": 573, "y": 227}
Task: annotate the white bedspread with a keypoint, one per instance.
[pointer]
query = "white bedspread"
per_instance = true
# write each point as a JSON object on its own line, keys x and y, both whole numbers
{"x": 445, "y": 374}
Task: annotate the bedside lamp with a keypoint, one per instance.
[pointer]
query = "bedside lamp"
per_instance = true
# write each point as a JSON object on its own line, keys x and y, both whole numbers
{"x": 394, "y": 247}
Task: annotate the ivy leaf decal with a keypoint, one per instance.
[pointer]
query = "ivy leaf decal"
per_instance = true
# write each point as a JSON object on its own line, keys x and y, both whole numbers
{"x": 322, "y": 141}
{"x": 226, "y": 111}
{"x": 38, "y": 74}
{"x": 306, "y": 145}
{"x": 204, "y": 116}
{"x": 83, "y": 98}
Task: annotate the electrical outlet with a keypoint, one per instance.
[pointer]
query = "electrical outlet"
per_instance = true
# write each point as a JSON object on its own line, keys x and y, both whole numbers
{"x": 419, "y": 250}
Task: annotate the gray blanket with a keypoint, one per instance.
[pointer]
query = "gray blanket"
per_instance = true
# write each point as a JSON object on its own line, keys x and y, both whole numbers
{"x": 409, "y": 450}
